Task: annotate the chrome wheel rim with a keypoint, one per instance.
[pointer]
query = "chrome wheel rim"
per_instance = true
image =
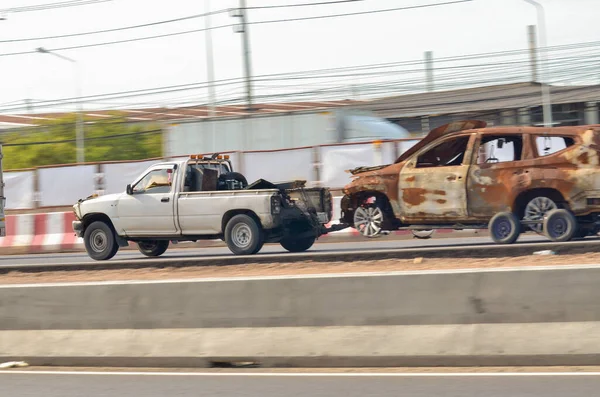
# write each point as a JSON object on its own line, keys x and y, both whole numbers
{"x": 368, "y": 221}
{"x": 536, "y": 210}
{"x": 241, "y": 235}
{"x": 98, "y": 241}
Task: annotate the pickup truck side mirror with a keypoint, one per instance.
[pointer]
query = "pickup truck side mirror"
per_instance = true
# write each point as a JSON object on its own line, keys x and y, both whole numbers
{"x": 129, "y": 190}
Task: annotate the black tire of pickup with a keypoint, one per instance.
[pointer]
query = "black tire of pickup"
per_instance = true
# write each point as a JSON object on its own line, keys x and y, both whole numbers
{"x": 297, "y": 245}
{"x": 243, "y": 235}
{"x": 153, "y": 248}
{"x": 100, "y": 242}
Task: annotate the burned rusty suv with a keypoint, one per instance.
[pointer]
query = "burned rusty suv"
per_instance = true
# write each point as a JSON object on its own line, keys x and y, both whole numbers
{"x": 463, "y": 175}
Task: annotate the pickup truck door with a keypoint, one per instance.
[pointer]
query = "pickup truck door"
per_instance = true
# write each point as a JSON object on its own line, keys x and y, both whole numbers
{"x": 150, "y": 209}
{"x": 432, "y": 184}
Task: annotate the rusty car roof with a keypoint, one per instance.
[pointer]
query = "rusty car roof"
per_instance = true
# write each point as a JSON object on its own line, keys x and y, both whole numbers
{"x": 480, "y": 126}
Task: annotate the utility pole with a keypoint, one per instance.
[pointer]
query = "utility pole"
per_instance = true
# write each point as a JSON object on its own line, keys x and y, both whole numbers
{"x": 209, "y": 61}
{"x": 243, "y": 28}
{"x": 546, "y": 104}
{"x": 429, "y": 70}
{"x": 211, "y": 77}
{"x": 533, "y": 59}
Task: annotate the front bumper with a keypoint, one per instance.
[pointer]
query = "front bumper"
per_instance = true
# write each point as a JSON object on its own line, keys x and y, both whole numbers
{"x": 78, "y": 228}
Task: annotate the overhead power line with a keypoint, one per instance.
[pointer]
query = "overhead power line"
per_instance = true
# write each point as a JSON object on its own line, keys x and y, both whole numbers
{"x": 51, "y": 6}
{"x": 219, "y": 27}
{"x": 302, "y": 4}
{"x": 115, "y": 29}
{"x": 118, "y": 41}
{"x": 359, "y": 12}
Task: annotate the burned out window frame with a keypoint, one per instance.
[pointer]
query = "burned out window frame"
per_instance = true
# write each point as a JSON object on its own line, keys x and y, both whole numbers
{"x": 414, "y": 162}
{"x": 575, "y": 138}
{"x": 480, "y": 137}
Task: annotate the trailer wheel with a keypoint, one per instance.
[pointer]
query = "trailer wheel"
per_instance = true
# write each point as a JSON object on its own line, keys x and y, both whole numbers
{"x": 243, "y": 235}
{"x": 153, "y": 248}
{"x": 100, "y": 242}
{"x": 504, "y": 228}
{"x": 560, "y": 225}
{"x": 297, "y": 245}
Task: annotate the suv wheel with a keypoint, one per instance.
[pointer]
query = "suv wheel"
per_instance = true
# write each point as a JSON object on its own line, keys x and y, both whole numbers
{"x": 368, "y": 220}
{"x": 536, "y": 209}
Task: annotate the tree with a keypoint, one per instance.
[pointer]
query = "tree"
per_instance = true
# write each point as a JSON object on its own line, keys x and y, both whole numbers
{"x": 53, "y": 142}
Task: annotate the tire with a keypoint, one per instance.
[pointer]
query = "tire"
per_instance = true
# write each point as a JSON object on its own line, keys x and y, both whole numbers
{"x": 153, "y": 248}
{"x": 368, "y": 220}
{"x": 243, "y": 235}
{"x": 504, "y": 228}
{"x": 100, "y": 242}
{"x": 235, "y": 176}
{"x": 560, "y": 225}
{"x": 298, "y": 245}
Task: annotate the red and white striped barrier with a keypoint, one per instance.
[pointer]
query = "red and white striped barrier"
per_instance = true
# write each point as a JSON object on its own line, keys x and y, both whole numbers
{"x": 41, "y": 232}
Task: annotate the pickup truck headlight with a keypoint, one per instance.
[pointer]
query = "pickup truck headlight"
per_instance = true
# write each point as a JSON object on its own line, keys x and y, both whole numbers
{"x": 275, "y": 205}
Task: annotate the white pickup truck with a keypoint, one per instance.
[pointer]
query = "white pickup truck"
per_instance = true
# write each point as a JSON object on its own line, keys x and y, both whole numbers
{"x": 2, "y": 200}
{"x": 201, "y": 198}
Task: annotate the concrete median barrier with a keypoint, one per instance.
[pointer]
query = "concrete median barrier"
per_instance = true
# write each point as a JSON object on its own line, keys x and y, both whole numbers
{"x": 544, "y": 316}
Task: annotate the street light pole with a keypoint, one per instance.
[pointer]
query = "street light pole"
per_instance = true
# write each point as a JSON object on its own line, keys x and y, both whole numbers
{"x": 79, "y": 132}
{"x": 243, "y": 28}
{"x": 547, "y": 105}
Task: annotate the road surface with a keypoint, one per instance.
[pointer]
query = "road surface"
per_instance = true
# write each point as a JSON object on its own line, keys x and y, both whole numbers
{"x": 298, "y": 385}
{"x": 271, "y": 249}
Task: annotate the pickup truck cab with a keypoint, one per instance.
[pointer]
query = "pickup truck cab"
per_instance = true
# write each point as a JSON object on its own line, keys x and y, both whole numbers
{"x": 201, "y": 198}
{"x": 508, "y": 179}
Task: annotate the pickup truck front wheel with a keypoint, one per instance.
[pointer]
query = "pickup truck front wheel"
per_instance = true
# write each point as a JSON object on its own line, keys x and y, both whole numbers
{"x": 243, "y": 235}
{"x": 100, "y": 242}
{"x": 153, "y": 248}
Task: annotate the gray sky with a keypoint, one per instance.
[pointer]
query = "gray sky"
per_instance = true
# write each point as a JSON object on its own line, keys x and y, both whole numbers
{"x": 473, "y": 27}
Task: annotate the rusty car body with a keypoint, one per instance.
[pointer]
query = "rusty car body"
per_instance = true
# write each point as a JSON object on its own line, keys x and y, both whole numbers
{"x": 463, "y": 173}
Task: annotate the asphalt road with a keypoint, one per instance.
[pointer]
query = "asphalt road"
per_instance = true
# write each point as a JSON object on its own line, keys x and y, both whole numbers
{"x": 269, "y": 385}
{"x": 383, "y": 244}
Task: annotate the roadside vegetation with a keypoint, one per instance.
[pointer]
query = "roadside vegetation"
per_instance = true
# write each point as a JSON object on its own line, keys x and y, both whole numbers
{"x": 53, "y": 142}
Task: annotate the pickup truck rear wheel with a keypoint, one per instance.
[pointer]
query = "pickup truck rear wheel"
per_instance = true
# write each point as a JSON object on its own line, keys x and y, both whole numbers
{"x": 153, "y": 248}
{"x": 100, "y": 242}
{"x": 243, "y": 235}
{"x": 297, "y": 245}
